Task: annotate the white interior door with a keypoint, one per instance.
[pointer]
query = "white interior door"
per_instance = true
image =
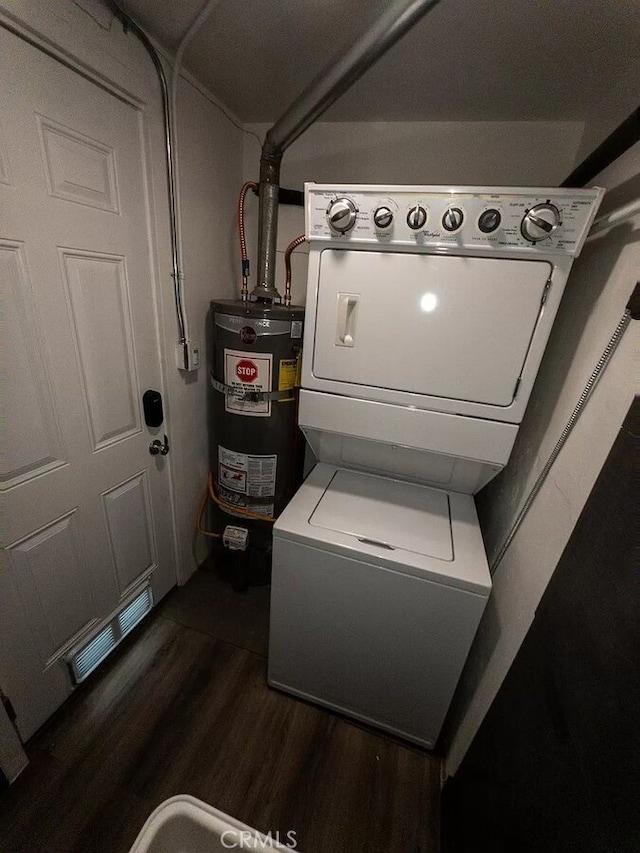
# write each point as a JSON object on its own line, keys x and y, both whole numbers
{"x": 451, "y": 327}
{"x": 87, "y": 508}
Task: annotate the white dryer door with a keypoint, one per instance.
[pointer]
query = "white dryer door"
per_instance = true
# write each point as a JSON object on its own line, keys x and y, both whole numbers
{"x": 452, "y": 327}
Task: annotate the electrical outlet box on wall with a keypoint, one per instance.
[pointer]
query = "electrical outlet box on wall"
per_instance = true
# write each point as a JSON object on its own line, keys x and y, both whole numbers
{"x": 188, "y": 356}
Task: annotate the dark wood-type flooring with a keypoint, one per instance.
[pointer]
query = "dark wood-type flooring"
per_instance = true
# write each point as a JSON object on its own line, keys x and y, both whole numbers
{"x": 183, "y": 707}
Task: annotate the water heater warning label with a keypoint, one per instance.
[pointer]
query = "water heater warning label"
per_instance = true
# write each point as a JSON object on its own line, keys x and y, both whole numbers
{"x": 247, "y": 373}
{"x": 289, "y": 376}
{"x": 246, "y": 480}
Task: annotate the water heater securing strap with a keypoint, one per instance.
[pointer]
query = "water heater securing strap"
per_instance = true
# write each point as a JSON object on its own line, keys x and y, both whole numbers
{"x": 251, "y": 396}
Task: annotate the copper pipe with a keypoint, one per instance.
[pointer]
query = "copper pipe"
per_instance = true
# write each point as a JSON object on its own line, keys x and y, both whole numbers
{"x": 201, "y": 530}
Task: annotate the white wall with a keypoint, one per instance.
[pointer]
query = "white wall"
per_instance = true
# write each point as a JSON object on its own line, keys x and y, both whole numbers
{"x": 210, "y": 172}
{"x": 619, "y": 102}
{"x": 491, "y": 153}
{"x": 597, "y": 292}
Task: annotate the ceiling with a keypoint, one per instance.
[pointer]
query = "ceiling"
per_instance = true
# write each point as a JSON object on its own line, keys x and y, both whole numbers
{"x": 467, "y": 60}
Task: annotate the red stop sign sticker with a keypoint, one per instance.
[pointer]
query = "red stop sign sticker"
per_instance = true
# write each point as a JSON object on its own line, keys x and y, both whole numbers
{"x": 246, "y": 370}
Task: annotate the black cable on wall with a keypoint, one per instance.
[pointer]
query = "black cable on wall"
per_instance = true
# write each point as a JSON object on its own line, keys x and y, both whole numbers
{"x": 622, "y": 138}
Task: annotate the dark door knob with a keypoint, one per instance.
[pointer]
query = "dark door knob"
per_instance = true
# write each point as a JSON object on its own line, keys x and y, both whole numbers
{"x": 159, "y": 447}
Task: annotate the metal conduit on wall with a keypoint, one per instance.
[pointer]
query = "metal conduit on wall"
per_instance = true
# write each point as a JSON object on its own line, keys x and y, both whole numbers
{"x": 176, "y": 273}
{"x": 172, "y": 129}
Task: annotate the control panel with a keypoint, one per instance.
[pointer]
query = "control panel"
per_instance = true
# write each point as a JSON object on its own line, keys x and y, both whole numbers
{"x": 547, "y": 221}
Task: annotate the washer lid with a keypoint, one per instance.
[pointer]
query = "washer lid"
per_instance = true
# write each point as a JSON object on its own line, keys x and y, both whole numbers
{"x": 387, "y": 513}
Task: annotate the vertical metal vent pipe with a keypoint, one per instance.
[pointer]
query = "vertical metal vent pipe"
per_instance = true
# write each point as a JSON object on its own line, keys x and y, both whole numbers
{"x": 332, "y": 82}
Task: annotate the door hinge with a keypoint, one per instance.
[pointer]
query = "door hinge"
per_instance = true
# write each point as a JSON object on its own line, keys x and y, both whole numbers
{"x": 545, "y": 292}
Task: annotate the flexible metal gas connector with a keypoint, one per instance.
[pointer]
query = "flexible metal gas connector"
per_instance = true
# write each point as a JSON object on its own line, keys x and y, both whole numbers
{"x": 293, "y": 245}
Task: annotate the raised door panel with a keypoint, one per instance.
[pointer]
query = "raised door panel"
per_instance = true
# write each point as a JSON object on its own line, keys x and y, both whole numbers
{"x": 19, "y": 643}
{"x": 98, "y": 296}
{"x": 127, "y": 510}
{"x": 32, "y": 442}
{"x": 50, "y": 573}
{"x": 78, "y": 168}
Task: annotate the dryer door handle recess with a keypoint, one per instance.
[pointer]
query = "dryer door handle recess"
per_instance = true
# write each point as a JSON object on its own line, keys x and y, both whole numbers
{"x": 346, "y": 319}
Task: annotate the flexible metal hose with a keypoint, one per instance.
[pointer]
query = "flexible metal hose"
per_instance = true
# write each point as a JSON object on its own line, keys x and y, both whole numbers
{"x": 249, "y": 185}
{"x": 297, "y": 241}
{"x": 604, "y": 359}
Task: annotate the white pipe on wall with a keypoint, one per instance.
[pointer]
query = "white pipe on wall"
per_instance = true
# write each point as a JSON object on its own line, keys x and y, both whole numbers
{"x": 616, "y": 217}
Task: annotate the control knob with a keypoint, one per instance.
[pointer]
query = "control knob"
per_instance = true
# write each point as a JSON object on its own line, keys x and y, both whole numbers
{"x": 417, "y": 217}
{"x": 342, "y": 215}
{"x": 383, "y": 216}
{"x": 452, "y": 219}
{"x": 540, "y": 222}
{"x": 489, "y": 220}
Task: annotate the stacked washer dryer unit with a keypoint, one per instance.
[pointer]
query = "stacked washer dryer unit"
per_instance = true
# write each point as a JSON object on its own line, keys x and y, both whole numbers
{"x": 428, "y": 311}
